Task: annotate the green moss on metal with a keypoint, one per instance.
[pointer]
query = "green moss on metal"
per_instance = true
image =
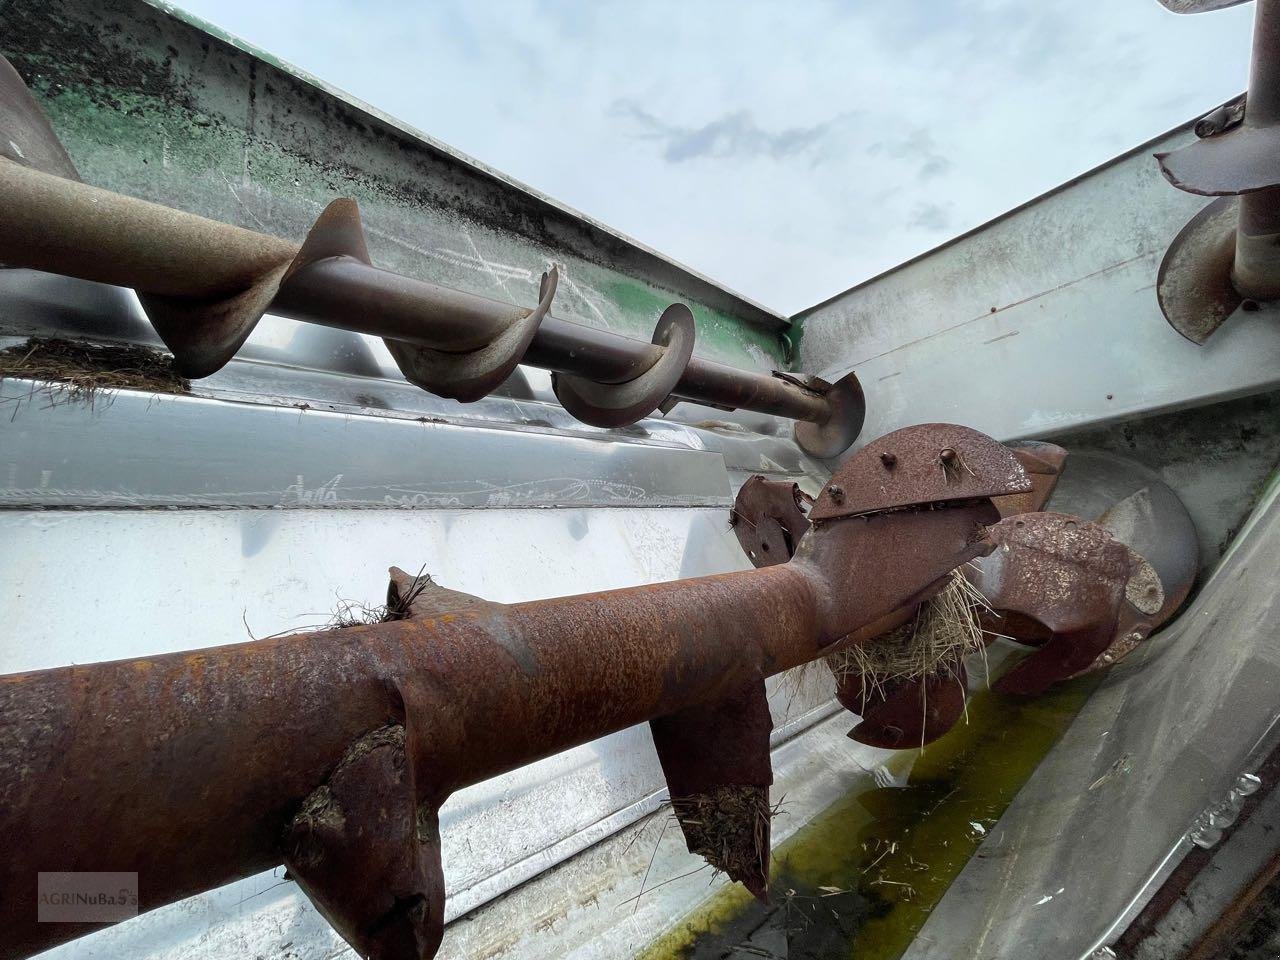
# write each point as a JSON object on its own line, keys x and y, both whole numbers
{"x": 719, "y": 335}
{"x": 861, "y": 879}
{"x": 154, "y": 105}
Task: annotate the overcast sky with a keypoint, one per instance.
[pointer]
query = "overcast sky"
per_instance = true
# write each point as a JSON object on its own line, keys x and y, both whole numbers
{"x": 787, "y": 150}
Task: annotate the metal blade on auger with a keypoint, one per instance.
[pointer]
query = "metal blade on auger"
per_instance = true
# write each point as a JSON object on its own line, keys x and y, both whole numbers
{"x": 716, "y": 761}
{"x": 205, "y": 285}
{"x": 332, "y": 751}
{"x": 1224, "y": 258}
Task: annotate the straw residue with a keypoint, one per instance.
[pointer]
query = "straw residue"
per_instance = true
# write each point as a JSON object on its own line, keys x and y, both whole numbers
{"x": 77, "y": 372}
{"x": 729, "y": 827}
{"x": 944, "y": 630}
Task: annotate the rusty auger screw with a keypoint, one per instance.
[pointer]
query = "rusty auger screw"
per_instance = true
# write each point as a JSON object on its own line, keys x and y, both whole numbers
{"x": 837, "y": 493}
{"x": 889, "y": 460}
{"x": 332, "y": 752}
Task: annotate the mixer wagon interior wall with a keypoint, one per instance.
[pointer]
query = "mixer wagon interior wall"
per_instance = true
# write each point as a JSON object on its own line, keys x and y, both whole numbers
{"x": 265, "y": 497}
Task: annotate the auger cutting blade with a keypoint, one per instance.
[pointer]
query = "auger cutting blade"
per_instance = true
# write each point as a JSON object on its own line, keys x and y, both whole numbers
{"x": 1194, "y": 285}
{"x": 1243, "y": 159}
{"x": 716, "y": 761}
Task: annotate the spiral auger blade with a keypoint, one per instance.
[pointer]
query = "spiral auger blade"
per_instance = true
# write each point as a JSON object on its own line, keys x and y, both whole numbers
{"x": 466, "y": 375}
{"x": 715, "y": 758}
{"x": 1223, "y": 258}
{"x": 474, "y": 374}
{"x": 205, "y": 284}
{"x": 28, "y": 138}
{"x": 847, "y": 406}
{"x": 205, "y": 333}
{"x": 622, "y": 404}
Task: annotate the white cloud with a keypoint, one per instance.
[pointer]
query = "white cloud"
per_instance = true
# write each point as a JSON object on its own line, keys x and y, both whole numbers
{"x": 786, "y": 150}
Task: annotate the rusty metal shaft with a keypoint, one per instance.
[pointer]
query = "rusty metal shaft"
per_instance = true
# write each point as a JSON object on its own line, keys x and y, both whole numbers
{"x": 187, "y": 767}
{"x": 65, "y": 226}
{"x": 190, "y": 767}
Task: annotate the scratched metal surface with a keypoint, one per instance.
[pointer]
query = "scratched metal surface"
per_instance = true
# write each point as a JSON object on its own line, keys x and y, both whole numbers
{"x": 149, "y": 581}
{"x": 1042, "y": 320}
{"x": 144, "y": 451}
{"x": 109, "y": 567}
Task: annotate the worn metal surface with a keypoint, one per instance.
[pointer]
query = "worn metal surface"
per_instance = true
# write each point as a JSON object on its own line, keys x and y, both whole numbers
{"x": 1075, "y": 579}
{"x": 120, "y": 453}
{"x": 606, "y": 404}
{"x": 1154, "y": 524}
{"x": 1194, "y": 283}
{"x": 234, "y": 134}
{"x": 1214, "y": 460}
{"x": 156, "y": 105}
{"x": 905, "y": 714}
{"x": 1220, "y": 119}
{"x": 769, "y": 520}
{"x": 1157, "y": 749}
{"x": 769, "y": 517}
{"x": 847, "y": 410}
{"x": 205, "y": 306}
{"x": 1225, "y": 257}
{"x": 1043, "y": 463}
{"x": 28, "y": 137}
{"x": 247, "y": 732}
{"x": 715, "y": 758}
{"x": 916, "y": 465}
{"x": 1054, "y": 278}
{"x": 1217, "y": 888}
{"x": 917, "y": 711}
{"x": 496, "y": 834}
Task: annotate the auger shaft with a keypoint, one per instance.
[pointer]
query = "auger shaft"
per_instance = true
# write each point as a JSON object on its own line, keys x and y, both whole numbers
{"x": 72, "y": 228}
{"x": 332, "y": 751}
{"x": 187, "y": 767}
{"x": 1227, "y": 257}
{"x": 1256, "y": 273}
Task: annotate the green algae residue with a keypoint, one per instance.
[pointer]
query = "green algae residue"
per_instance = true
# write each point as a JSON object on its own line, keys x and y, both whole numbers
{"x": 861, "y": 878}
{"x": 720, "y": 336}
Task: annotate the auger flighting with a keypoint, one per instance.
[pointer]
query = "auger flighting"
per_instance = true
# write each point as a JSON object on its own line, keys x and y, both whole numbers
{"x": 1227, "y": 257}
{"x": 205, "y": 285}
{"x": 332, "y": 751}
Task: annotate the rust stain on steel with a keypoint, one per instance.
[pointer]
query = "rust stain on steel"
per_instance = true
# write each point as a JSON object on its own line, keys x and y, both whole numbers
{"x": 915, "y": 712}
{"x": 768, "y": 518}
{"x": 619, "y": 404}
{"x": 1043, "y": 463}
{"x": 367, "y": 855}
{"x": 1095, "y": 596}
{"x": 906, "y": 713}
{"x": 930, "y": 463}
{"x": 205, "y": 285}
{"x": 289, "y": 745}
{"x": 715, "y": 758}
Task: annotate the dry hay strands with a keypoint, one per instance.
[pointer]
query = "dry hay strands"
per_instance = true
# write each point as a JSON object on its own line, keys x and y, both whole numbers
{"x": 353, "y": 613}
{"x": 74, "y": 371}
{"x": 943, "y": 632}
